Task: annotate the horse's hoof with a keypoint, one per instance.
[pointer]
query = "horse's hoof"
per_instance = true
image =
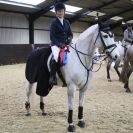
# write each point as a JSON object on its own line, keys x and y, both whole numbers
{"x": 28, "y": 114}
{"x": 125, "y": 88}
{"x": 64, "y": 85}
{"x": 109, "y": 80}
{"x": 44, "y": 114}
{"x": 27, "y": 105}
{"x": 81, "y": 124}
{"x": 71, "y": 128}
{"x": 128, "y": 90}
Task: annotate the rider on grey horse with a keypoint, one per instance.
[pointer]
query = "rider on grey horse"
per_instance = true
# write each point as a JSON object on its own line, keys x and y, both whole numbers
{"x": 60, "y": 35}
{"x": 128, "y": 36}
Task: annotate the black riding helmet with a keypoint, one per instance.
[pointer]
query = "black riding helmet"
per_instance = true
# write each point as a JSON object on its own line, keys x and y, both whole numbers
{"x": 59, "y": 6}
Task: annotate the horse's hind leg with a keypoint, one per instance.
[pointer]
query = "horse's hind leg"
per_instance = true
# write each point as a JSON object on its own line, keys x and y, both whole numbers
{"x": 28, "y": 94}
{"x": 126, "y": 85}
{"x": 42, "y": 106}
{"x": 81, "y": 122}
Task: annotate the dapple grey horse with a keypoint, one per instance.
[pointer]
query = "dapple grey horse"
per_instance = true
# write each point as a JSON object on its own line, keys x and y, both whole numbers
{"x": 116, "y": 63}
{"x": 77, "y": 72}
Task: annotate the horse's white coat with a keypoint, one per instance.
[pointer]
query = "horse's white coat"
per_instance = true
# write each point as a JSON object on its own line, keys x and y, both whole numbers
{"x": 120, "y": 49}
{"x": 74, "y": 72}
{"x": 121, "y": 52}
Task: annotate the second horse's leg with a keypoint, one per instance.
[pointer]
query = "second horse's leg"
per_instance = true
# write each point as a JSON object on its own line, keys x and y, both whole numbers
{"x": 126, "y": 85}
{"x": 108, "y": 69}
{"x": 117, "y": 63}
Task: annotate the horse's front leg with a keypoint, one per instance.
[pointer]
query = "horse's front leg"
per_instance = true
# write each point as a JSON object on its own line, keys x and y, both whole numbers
{"x": 28, "y": 94}
{"x": 117, "y": 63}
{"x": 71, "y": 90}
{"x": 108, "y": 69}
{"x": 42, "y": 106}
{"x": 81, "y": 122}
{"x": 117, "y": 71}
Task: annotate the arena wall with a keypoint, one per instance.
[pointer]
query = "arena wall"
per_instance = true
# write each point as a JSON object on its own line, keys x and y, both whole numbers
{"x": 14, "y": 36}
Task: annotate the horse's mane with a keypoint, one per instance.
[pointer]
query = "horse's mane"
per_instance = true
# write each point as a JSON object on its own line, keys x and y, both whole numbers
{"x": 88, "y": 31}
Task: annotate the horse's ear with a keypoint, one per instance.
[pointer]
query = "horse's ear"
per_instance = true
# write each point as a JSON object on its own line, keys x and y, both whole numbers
{"x": 97, "y": 18}
{"x": 104, "y": 23}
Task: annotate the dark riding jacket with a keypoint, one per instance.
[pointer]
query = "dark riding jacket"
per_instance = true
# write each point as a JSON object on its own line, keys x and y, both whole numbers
{"x": 60, "y": 34}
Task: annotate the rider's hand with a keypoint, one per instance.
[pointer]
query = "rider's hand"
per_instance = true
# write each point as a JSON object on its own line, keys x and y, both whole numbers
{"x": 68, "y": 41}
{"x": 62, "y": 46}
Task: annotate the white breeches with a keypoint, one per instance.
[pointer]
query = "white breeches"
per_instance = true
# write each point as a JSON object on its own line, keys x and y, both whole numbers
{"x": 55, "y": 52}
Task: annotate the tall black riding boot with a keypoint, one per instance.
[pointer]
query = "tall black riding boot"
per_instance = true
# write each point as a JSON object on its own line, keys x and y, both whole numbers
{"x": 52, "y": 78}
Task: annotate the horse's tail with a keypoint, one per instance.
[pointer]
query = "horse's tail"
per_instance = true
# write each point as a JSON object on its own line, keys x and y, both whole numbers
{"x": 125, "y": 70}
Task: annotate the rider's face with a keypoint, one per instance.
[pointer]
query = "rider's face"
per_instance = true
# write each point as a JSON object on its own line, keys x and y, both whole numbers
{"x": 130, "y": 27}
{"x": 60, "y": 13}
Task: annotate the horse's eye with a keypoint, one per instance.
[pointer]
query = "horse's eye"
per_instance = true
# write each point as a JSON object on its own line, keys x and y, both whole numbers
{"x": 111, "y": 36}
{"x": 105, "y": 36}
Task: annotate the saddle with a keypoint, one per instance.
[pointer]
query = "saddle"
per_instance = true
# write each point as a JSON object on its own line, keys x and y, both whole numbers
{"x": 62, "y": 60}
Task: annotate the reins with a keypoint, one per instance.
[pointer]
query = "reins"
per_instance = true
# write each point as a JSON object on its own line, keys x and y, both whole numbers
{"x": 77, "y": 52}
{"x": 100, "y": 63}
{"x": 91, "y": 68}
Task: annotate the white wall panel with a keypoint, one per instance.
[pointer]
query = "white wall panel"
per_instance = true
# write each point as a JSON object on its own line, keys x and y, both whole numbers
{"x": 75, "y": 37}
{"x": 13, "y": 20}
{"x": 43, "y": 23}
{"x": 14, "y": 36}
{"x": 42, "y": 37}
{"x": 79, "y": 26}
{"x": 21, "y": 36}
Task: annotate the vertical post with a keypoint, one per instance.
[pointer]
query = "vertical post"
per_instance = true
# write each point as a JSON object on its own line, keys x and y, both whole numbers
{"x": 31, "y": 32}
